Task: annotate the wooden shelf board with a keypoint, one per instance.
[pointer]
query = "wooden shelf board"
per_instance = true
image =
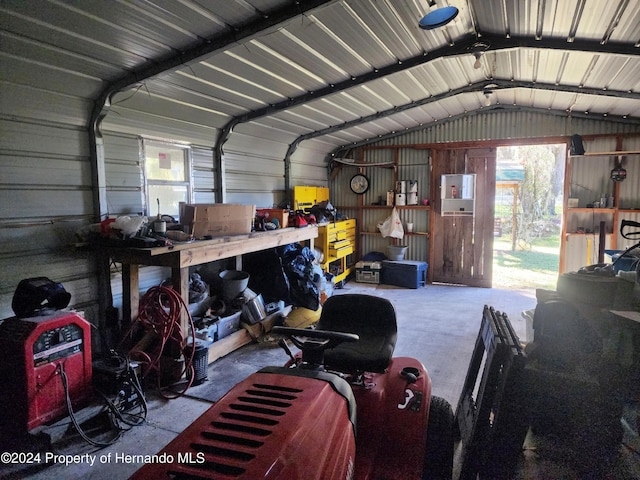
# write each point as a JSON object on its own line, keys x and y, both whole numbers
{"x": 387, "y": 207}
{"x": 242, "y": 337}
{"x": 588, "y": 210}
{"x": 606, "y": 154}
{"x": 575, "y": 234}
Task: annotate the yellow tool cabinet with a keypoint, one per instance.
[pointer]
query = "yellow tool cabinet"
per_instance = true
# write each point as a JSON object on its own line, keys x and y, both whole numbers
{"x": 337, "y": 240}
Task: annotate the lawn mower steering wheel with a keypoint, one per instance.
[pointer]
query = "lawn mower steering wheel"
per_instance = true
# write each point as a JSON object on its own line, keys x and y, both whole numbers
{"x": 313, "y": 343}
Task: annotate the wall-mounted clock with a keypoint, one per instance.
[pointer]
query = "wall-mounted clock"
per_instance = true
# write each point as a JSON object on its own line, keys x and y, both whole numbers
{"x": 359, "y": 183}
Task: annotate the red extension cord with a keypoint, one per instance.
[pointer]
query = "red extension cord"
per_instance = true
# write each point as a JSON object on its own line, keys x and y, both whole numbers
{"x": 160, "y": 309}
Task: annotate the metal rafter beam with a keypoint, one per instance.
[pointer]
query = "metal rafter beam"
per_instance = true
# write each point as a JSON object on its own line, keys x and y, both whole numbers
{"x": 269, "y": 20}
{"x": 465, "y": 46}
{"x": 472, "y": 87}
{"x": 209, "y": 46}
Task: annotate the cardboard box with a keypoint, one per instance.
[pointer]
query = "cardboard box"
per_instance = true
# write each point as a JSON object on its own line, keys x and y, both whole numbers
{"x": 218, "y": 219}
{"x": 281, "y": 214}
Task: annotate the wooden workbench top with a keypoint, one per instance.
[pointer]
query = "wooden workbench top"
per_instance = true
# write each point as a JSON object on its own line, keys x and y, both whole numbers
{"x": 183, "y": 255}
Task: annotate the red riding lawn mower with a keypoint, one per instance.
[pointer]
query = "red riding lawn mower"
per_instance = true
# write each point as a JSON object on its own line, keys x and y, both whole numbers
{"x": 342, "y": 408}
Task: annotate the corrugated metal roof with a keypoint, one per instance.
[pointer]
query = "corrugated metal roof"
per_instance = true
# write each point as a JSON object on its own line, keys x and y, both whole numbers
{"x": 296, "y": 68}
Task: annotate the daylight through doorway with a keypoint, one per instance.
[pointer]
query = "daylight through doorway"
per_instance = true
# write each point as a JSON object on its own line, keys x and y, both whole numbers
{"x": 528, "y": 216}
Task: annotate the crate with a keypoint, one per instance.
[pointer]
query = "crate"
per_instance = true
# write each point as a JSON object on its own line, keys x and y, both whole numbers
{"x": 281, "y": 214}
{"x": 368, "y": 272}
{"x": 228, "y": 325}
{"x": 404, "y": 273}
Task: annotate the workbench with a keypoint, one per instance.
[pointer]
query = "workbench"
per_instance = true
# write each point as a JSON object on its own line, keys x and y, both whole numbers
{"x": 180, "y": 257}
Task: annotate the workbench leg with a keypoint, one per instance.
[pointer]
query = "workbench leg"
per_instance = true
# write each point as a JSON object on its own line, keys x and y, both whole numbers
{"x": 130, "y": 294}
{"x": 180, "y": 281}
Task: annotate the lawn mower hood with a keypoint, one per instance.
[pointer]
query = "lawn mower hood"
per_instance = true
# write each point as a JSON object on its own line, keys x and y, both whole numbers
{"x": 258, "y": 427}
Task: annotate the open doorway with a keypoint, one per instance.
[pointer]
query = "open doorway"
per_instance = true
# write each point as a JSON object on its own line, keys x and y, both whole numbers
{"x": 528, "y": 216}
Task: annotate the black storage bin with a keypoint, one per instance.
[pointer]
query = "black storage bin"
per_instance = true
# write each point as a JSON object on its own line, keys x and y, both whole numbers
{"x": 404, "y": 273}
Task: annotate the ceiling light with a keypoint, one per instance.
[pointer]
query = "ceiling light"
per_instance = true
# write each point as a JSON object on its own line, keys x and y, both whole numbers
{"x": 438, "y": 18}
{"x": 487, "y": 91}
{"x": 478, "y": 64}
{"x": 477, "y": 50}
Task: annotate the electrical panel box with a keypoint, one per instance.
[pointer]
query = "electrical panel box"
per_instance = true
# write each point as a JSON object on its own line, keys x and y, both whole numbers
{"x": 458, "y": 195}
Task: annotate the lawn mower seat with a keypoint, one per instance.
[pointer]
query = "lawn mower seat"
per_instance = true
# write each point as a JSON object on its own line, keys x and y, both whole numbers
{"x": 373, "y": 319}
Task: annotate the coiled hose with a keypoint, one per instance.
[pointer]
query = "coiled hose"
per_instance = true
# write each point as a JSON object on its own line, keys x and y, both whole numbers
{"x": 160, "y": 312}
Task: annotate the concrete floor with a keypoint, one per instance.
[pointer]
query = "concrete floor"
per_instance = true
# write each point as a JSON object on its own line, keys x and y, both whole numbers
{"x": 437, "y": 325}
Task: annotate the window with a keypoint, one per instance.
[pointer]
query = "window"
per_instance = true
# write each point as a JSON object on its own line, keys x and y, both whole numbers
{"x": 167, "y": 174}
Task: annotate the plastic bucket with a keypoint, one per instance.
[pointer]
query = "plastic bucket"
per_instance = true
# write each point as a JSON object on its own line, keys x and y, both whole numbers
{"x": 234, "y": 282}
{"x": 396, "y": 252}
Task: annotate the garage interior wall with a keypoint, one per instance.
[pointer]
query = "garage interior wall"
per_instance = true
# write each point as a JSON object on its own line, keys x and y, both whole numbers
{"x": 504, "y": 126}
{"x": 46, "y": 179}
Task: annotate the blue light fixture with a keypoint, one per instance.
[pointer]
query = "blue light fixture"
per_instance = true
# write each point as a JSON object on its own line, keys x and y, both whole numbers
{"x": 438, "y": 18}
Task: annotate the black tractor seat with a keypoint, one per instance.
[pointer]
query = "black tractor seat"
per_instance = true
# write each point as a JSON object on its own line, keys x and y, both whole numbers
{"x": 373, "y": 319}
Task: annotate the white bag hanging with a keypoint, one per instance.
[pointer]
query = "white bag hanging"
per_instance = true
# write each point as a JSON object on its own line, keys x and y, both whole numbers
{"x": 392, "y": 226}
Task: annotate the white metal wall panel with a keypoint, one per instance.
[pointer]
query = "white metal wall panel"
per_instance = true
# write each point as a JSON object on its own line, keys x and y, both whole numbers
{"x": 308, "y": 167}
{"x": 252, "y": 179}
{"x": 123, "y": 171}
{"x": 43, "y": 106}
{"x": 135, "y": 122}
{"x": 45, "y": 198}
{"x": 204, "y": 175}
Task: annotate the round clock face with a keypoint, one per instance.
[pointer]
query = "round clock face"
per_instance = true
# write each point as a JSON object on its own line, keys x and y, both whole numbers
{"x": 359, "y": 184}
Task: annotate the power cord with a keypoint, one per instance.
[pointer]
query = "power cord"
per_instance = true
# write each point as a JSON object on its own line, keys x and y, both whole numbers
{"x": 72, "y": 415}
{"x": 129, "y": 396}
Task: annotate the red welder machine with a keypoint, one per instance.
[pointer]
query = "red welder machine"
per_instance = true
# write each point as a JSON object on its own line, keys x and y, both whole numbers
{"x": 45, "y": 363}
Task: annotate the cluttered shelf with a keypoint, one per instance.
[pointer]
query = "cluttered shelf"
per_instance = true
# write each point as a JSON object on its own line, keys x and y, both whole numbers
{"x": 589, "y": 210}
{"x": 386, "y": 207}
{"x": 406, "y": 234}
{"x": 182, "y": 256}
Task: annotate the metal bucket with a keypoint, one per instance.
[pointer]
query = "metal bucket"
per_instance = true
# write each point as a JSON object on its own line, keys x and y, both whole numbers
{"x": 396, "y": 252}
{"x": 253, "y": 311}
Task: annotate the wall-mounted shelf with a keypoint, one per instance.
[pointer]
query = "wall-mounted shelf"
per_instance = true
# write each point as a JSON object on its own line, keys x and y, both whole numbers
{"x": 580, "y": 249}
{"x": 607, "y": 154}
{"x": 387, "y": 169}
{"x": 399, "y": 207}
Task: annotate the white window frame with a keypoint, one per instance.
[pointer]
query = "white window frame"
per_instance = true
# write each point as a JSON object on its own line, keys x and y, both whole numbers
{"x": 150, "y": 203}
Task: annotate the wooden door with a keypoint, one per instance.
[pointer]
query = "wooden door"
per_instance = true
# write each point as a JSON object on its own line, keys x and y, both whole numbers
{"x": 462, "y": 247}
